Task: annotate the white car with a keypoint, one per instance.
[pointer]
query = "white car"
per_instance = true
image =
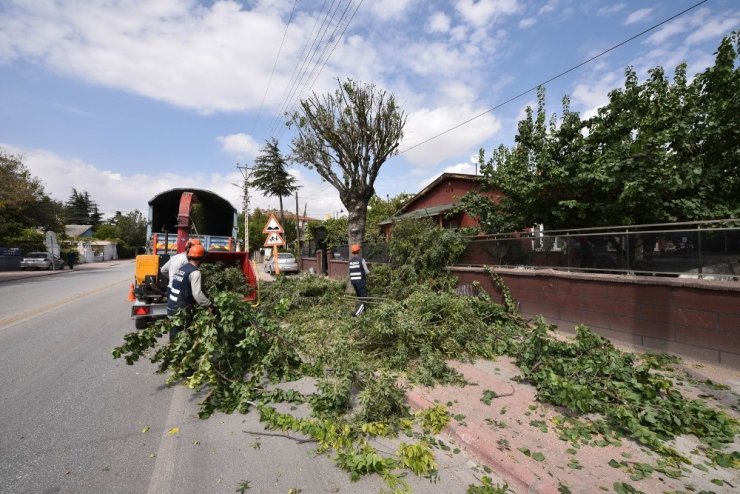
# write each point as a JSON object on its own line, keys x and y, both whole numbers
{"x": 41, "y": 260}
{"x": 286, "y": 261}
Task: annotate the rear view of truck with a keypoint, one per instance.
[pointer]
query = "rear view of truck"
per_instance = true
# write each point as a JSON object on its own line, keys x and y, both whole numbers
{"x": 176, "y": 216}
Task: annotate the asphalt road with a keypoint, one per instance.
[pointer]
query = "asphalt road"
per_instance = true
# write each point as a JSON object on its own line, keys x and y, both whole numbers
{"x": 73, "y": 420}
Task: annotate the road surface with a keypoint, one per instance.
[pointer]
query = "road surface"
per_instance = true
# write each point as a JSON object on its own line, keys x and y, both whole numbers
{"x": 73, "y": 420}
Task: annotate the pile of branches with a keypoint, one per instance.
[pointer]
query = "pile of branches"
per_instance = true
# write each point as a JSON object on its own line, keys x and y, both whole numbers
{"x": 415, "y": 323}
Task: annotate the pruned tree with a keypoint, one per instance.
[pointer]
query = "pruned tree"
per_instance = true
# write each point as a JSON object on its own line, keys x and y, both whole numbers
{"x": 346, "y": 137}
{"x": 271, "y": 176}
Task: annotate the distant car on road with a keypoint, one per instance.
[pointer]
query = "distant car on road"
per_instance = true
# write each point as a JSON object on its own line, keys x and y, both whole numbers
{"x": 286, "y": 262}
{"x": 41, "y": 260}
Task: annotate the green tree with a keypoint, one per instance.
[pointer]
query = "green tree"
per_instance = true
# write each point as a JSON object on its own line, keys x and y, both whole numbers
{"x": 660, "y": 151}
{"x": 23, "y": 201}
{"x": 80, "y": 209}
{"x": 131, "y": 228}
{"x": 346, "y": 137}
{"x": 380, "y": 210}
{"x": 271, "y": 176}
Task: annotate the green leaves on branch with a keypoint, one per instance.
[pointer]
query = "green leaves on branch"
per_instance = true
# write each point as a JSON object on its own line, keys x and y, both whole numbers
{"x": 659, "y": 151}
{"x": 591, "y": 376}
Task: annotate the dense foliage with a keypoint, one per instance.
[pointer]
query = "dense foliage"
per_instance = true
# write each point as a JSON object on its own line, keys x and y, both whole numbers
{"x": 659, "y": 151}
{"x": 24, "y": 205}
{"x": 81, "y": 209}
{"x": 128, "y": 230}
{"x": 415, "y": 324}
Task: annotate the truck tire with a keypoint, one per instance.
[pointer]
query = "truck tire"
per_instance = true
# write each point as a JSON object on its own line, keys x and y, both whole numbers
{"x": 141, "y": 322}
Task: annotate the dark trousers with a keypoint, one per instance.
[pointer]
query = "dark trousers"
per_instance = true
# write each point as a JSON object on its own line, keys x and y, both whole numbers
{"x": 361, "y": 290}
{"x": 176, "y": 329}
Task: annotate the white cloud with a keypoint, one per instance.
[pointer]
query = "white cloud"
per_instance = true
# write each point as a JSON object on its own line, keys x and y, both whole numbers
{"x": 119, "y": 192}
{"x": 115, "y": 191}
{"x": 588, "y": 96}
{"x": 207, "y": 58}
{"x": 678, "y": 26}
{"x": 527, "y": 22}
{"x": 389, "y": 9}
{"x": 714, "y": 28}
{"x": 425, "y": 123}
{"x": 548, "y": 7}
{"x": 439, "y": 22}
{"x": 482, "y": 12}
{"x": 612, "y": 9}
{"x": 240, "y": 146}
{"x": 461, "y": 168}
{"x": 637, "y": 16}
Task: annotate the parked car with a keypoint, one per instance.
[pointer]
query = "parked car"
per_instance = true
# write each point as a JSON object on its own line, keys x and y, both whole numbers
{"x": 41, "y": 260}
{"x": 286, "y": 262}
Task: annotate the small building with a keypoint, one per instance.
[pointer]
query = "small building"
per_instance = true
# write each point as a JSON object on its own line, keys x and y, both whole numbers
{"x": 78, "y": 231}
{"x": 438, "y": 198}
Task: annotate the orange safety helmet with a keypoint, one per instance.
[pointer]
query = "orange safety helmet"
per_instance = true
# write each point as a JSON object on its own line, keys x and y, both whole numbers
{"x": 196, "y": 252}
{"x": 192, "y": 242}
{"x": 355, "y": 248}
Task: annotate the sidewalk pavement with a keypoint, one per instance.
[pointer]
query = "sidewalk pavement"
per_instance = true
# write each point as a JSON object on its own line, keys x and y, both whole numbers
{"x": 20, "y": 275}
{"x": 496, "y": 434}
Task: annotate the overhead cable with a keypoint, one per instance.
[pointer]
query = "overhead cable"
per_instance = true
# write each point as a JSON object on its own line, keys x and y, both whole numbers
{"x": 561, "y": 74}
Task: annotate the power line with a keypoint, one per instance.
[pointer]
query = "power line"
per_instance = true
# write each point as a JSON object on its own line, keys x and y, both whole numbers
{"x": 513, "y": 98}
{"x": 274, "y": 65}
{"x": 306, "y": 60}
{"x": 326, "y": 59}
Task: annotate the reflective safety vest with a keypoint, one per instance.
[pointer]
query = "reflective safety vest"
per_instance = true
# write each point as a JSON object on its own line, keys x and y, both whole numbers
{"x": 181, "y": 295}
{"x": 356, "y": 273}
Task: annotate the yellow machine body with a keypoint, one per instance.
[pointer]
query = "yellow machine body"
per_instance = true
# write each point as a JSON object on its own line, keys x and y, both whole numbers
{"x": 146, "y": 265}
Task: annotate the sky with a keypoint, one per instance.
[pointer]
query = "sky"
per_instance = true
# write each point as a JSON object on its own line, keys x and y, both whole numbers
{"x": 128, "y": 98}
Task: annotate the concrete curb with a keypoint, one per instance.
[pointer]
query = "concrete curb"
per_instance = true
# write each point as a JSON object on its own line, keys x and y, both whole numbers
{"x": 519, "y": 478}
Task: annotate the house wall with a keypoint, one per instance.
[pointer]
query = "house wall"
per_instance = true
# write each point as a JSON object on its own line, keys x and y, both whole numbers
{"x": 447, "y": 192}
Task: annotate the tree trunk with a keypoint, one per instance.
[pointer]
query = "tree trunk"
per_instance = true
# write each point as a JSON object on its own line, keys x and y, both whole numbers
{"x": 356, "y": 216}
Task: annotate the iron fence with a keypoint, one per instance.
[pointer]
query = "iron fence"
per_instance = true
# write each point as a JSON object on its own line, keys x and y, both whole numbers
{"x": 706, "y": 250}
{"x": 371, "y": 251}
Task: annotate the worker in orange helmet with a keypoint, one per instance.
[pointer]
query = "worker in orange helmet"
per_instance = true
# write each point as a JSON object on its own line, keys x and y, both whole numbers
{"x": 177, "y": 261}
{"x": 358, "y": 272}
{"x": 186, "y": 289}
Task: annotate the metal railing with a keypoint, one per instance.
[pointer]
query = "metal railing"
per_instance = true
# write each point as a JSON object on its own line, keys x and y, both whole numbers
{"x": 705, "y": 249}
{"x": 372, "y": 252}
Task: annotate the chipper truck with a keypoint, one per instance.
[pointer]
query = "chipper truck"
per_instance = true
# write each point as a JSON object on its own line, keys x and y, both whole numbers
{"x": 176, "y": 216}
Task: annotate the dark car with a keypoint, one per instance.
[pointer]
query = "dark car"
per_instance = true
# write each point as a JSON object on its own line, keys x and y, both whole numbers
{"x": 41, "y": 260}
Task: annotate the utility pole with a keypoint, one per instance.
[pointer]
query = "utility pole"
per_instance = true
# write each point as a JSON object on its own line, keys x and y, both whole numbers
{"x": 297, "y": 228}
{"x": 246, "y": 174}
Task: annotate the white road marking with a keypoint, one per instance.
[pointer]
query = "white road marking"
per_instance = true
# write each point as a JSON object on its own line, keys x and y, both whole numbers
{"x": 164, "y": 467}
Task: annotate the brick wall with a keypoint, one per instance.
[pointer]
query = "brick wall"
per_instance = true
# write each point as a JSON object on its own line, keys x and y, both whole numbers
{"x": 696, "y": 318}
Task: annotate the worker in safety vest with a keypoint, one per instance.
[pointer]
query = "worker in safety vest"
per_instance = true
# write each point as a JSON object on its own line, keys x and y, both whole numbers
{"x": 186, "y": 288}
{"x": 177, "y": 261}
{"x": 358, "y": 272}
